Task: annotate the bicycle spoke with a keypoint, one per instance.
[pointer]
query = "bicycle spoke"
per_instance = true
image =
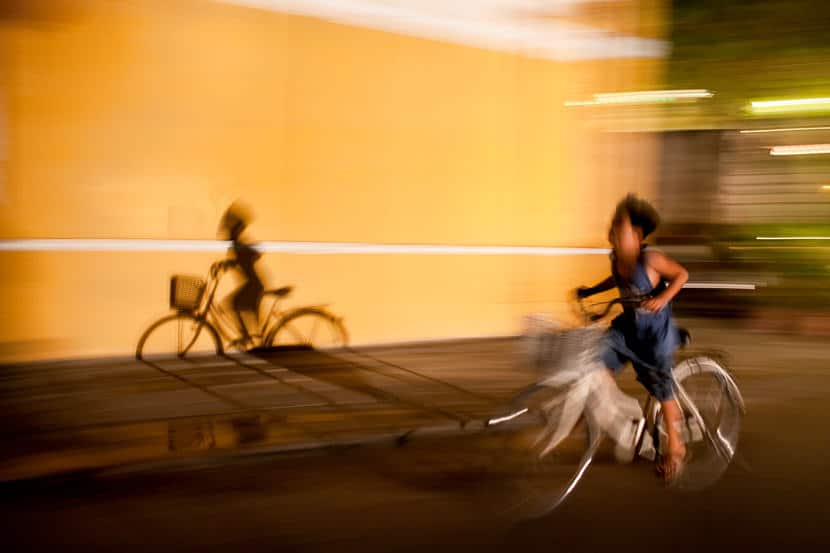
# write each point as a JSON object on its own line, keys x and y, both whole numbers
{"x": 313, "y": 332}
{"x": 712, "y": 411}
{"x": 313, "y": 328}
{"x": 297, "y": 335}
{"x": 715, "y": 398}
{"x": 178, "y": 335}
{"x": 716, "y": 444}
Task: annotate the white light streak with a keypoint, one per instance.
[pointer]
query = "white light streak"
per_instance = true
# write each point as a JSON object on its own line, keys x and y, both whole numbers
{"x": 792, "y": 237}
{"x": 506, "y": 25}
{"x": 800, "y": 150}
{"x": 499, "y": 420}
{"x": 642, "y": 97}
{"x": 719, "y": 286}
{"x": 793, "y": 105}
{"x": 789, "y": 129}
{"x": 146, "y": 245}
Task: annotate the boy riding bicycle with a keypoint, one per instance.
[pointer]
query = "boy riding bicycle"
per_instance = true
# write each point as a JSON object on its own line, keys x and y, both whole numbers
{"x": 646, "y": 331}
{"x": 243, "y": 256}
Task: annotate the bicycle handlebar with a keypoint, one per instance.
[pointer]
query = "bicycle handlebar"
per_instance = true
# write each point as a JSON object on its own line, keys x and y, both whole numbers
{"x": 593, "y": 317}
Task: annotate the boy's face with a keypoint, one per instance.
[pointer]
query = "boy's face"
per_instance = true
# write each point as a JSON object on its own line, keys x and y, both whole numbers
{"x": 625, "y": 240}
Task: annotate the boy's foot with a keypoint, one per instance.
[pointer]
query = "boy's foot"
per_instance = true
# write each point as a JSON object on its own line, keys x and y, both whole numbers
{"x": 671, "y": 464}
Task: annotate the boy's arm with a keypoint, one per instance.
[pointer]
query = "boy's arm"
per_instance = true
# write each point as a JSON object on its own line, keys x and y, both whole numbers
{"x": 230, "y": 260}
{"x": 604, "y": 286}
{"x": 669, "y": 270}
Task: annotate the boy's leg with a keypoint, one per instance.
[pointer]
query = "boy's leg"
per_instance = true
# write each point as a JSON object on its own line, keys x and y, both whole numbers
{"x": 236, "y": 304}
{"x": 672, "y": 461}
{"x": 624, "y": 419}
{"x": 241, "y": 315}
{"x": 246, "y": 305}
{"x": 619, "y": 415}
{"x": 613, "y": 343}
{"x": 660, "y": 384}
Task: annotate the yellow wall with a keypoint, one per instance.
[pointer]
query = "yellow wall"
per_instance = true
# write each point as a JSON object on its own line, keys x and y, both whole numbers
{"x": 146, "y": 119}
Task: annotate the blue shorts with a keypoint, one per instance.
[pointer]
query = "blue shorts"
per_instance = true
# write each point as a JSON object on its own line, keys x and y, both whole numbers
{"x": 659, "y": 353}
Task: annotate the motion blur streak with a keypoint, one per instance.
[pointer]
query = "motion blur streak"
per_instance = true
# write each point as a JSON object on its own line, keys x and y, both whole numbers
{"x": 300, "y": 275}
{"x": 800, "y": 150}
{"x": 642, "y": 97}
{"x": 510, "y": 25}
{"x": 116, "y": 245}
{"x": 793, "y": 129}
{"x": 792, "y": 237}
{"x": 799, "y": 104}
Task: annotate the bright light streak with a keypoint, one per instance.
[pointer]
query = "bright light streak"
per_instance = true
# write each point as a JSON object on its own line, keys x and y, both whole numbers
{"x": 146, "y": 245}
{"x": 651, "y": 96}
{"x": 798, "y": 104}
{"x": 642, "y": 97}
{"x": 799, "y": 248}
{"x": 792, "y": 237}
{"x": 800, "y": 150}
{"x": 499, "y": 420}
{"x": 790, "y": 129}
{"x": 504, "y": 25}
{"x": 725, "y": 443}
{"x": 719, "y": 286}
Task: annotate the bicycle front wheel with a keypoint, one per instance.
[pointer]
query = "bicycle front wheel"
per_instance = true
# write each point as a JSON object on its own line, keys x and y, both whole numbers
{"x": 176, "y": 336}
{"x": 545, "y": 450}
{"x": 308, "y": 327}
{"x": 712, "y": 414}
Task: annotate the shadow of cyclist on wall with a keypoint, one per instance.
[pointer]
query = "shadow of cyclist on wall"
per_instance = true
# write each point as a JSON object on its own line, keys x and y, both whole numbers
{"x": 242, "y": 258}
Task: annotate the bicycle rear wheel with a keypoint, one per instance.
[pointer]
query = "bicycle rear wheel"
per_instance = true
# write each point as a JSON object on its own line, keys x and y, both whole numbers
{"x": 177, "y": 336}
{"x": 308, "y": 327}
{"x": 711, "y": 439}
{"x": 545, "y": 450}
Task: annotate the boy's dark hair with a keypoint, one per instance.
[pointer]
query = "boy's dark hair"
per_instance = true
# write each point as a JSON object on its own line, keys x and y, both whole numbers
{"x": 639, "y": 212}
{"x": 234, "y": 221}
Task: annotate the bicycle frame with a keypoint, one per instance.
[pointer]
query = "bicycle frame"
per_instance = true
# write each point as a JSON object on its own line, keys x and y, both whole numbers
{"x": 209, "y": 316}
{"x": 570, "y": 379}
{"x": 211, "y": 312}
{"x": 582, "y": 389}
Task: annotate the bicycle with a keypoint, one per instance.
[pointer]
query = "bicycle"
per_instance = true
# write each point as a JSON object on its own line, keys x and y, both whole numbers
{"x": 554, "y": 428}
{"x": 200, "y": 326}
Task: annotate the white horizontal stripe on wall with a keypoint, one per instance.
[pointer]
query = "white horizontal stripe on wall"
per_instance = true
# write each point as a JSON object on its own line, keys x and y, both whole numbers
{"x": 310, "y": 248}
{"x": 148, "y": 245}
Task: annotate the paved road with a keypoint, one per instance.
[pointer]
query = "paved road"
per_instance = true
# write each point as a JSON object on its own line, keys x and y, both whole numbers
{"x": 204, "y": 460}
{"x": 78, "y": 415}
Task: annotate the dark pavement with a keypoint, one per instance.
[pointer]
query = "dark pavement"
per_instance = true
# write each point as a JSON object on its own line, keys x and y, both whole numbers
{"x": 298, "y": 452}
